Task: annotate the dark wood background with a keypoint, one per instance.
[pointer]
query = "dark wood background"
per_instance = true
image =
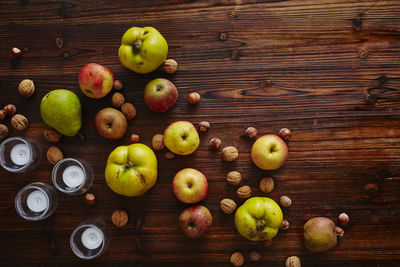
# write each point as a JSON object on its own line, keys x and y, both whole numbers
{"x": 329, "y": 70}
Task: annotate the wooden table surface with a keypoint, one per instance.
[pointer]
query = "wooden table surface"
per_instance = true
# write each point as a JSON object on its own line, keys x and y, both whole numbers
{"x": 329, "y": 70}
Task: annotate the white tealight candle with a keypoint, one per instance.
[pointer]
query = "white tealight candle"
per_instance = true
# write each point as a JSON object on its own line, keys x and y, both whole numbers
{"x": 92, "y": 238}
{"x": 73, "y": 176}
{"x": 37, "y": 201}
{"x": 20, "y": 154}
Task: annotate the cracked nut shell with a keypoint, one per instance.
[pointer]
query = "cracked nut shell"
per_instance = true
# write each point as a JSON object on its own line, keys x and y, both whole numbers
{"x": 52, "y": 135}
{"x": 19, "y": 122}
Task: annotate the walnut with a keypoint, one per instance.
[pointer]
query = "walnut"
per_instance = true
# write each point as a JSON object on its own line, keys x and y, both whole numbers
{"x": 129, "y": 111}
{"x": 266, "y": 184}
{"x": 293, "y": 261}
{"x": 19, "y": 122}
{"x": 230, "y": 153}
{"x": 233, "y": 178}
{"x": 117, "y": 100}
{"x": 237, "y": 259}
{"x": 119, "y": 218}
{"x": 244, "y": 191}
{"x": 3, "y": 131}
{"x": 227, "y": 205}
{"x": 26, "y": 88}
{"x": 170, "y": 66}
{"x": 169, "y": 155}
{"x": 54, "y": 155}
{"x": 52, "y": 135}
{"x": 158, "y": 142}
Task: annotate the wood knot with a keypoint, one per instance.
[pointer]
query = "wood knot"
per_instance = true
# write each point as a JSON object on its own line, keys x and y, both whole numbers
{"x": 66, "y": 54}
{"x": 363, "y": 53}
{"x": 223, "y": 36}
{"x": 65, "y": 12}
{"x": 357, "y": 24}
{"x": 235, "y": 54}
{"x": 382, "y": 79}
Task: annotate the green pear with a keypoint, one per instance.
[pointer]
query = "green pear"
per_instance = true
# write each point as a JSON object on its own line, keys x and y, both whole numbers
{"x": 61, "y": 110}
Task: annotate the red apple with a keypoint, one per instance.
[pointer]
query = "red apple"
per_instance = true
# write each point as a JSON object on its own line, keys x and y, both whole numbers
{"x": 95, "y": 80}
{"x": 195, "y": 221}
{"x": 110, "y": 123}
{"x": 190, "y": 186}
{"x": 160, "y": 94}
{"x": 269, "y": 152}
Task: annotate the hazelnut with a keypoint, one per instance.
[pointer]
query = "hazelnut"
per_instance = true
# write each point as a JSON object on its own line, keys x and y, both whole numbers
{"x": 371, "y": 188}
{"x": 54, "y": 155}
{"x": 344, "y": 219}
{"x": 230, "y": 153}
{"x": 266, "y": 184}
{"x": 26, "y": 88}
{"x": 119, "y": 218}
{"x": 117, "y": 100}
{"x": 118, "y": 85}
{"x": 10, "y": 109}
{"x": 158, "y": 142}
{"x": 233, "y": 178}
{"x": 251, "y": 132}
{"x": 52, "y": 135}
{"x": 284, "y": 225}
{"x": 59, "y": 42}
{"x": 194, "y": 98}
{"x": 237, "y": 259}
{"x": 16, "y": 52}
{"x": 339, "y": 231}
{"x": 267, "y": 243}
{"x": 129, "y": 111}
{"x": 135, "y": 138}
{"x": 215, "y": 143}
{"x": 244, "y": 191}
{"x": 3, "y": 115}
{"x": 169, "y": 155}
{"x": 204, "y": 126}
{"x": 170, "y": 66}
{"x": 285, "y": 134}
{"x": 90, "y": 199}
{"x": 254, "y": 255}
{"x": 3, "y": 131}
{"x": 285, "y": 201}
{"x": 293, "y": 261}
{"x": 19, "y": 122}
{"x": 227, "y": 205}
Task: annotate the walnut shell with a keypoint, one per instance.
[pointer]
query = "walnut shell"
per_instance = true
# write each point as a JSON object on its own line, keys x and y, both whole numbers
{"x": 119, "y": 218}
{"x": 19, "y": 122}
{"x": 3, "y": 131}
{"x": 230, "y": 153}
{"x": 52, "y": 135}
{"x": 293, "y": 261}
{"x": 129, "y": 111}
{"x": 117, "y": 99}
{"x": 233, "y": 178}
{"x": 158, "y": 142}
{"x": 54, "y": 155}
{"x": 170, "y": 66}
{"x": 266, "y": 184}
{"x": 244, "y": 191}
{"x": 237, "y": 259}
{"x": 227, "y": 205}
{"x": 26, "y": 88}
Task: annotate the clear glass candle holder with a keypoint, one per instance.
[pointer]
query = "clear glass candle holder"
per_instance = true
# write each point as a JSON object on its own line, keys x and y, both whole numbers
{"x": 72, "y": 176}
{"x": 90, "y": 239}
{"x": 36, "y": 201}
{"x": 18, "y": 154}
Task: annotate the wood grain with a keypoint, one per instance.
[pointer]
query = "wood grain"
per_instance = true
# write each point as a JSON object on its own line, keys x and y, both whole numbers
{"x": 329, "y": 70}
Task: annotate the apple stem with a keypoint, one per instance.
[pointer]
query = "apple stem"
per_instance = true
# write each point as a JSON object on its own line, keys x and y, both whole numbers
{"x": 81, "y": 136}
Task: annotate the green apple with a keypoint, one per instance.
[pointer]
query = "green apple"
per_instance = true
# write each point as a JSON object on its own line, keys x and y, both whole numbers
{"x": 131, "y": 170}
{"x": 269, "y": 152}
{"x": 142, "y": 50}
{"x": 181, "y": 138}
{"x": 258, "y": 219}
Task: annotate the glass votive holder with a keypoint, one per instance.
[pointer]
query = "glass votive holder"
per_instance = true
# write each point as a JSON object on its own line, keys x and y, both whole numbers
{"x": 18, "y": 154}
{"x": 90, "y": 239}
{"x": 72, "y": 176}
{"x": 36, "y": 201}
